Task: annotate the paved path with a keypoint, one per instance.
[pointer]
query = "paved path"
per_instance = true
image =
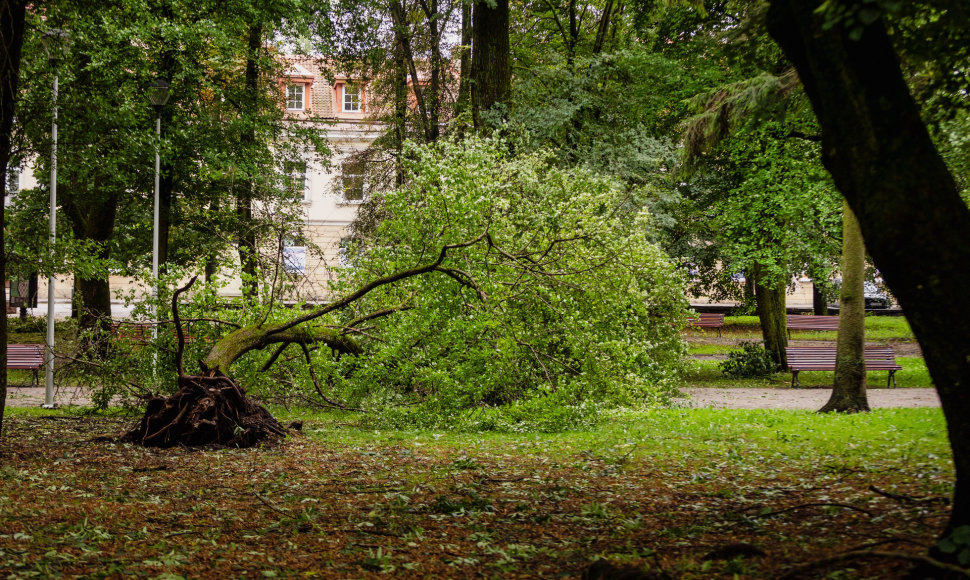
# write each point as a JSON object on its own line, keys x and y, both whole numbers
{"x": 697, "y": 397}
{"x": 802, "y": 398}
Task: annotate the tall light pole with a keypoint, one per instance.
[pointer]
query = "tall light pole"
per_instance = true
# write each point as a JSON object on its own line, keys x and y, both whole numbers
{"x": 158, "y": 95}
{"x": 56, "y": 44}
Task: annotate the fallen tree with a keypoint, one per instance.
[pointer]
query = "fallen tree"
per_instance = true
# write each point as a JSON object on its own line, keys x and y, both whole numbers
{"x": 494, "y": 293}
{"x": 211, "y": 409}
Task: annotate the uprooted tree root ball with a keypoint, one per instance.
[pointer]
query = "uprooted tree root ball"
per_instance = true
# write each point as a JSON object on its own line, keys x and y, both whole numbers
{"x": 206, "y": 410}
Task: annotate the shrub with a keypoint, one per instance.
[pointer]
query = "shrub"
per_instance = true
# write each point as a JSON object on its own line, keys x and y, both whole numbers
{"x": 752, "y": 360}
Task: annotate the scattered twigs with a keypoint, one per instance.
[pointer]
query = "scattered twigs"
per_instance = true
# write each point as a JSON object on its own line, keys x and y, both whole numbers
{"x": 903, "y": 498}
{"x": 809, "y": 505}
{"x": 916, "y": 558}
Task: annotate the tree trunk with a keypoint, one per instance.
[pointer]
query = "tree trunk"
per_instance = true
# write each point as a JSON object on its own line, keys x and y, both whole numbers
{"x": 849, "y": 388}
{"x": 248, "y": 252}
{"x": 879, "y": 152}
{"x": 12, "y": 18}
{"x": 491, "y": 66}
{"x": 771, "y": 315}
{"x": 464, "y": 71}
{"x": 93, "y": 220}
{"x": 820, "y": 303}
{"x": 400, "y": 106}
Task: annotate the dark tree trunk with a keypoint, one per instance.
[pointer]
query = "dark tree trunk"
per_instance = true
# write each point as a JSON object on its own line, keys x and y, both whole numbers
{"x": 94, "y": 221}
{"x": 771, "y": 315}
{"x": 12, "y": 18}
{"x": 165, "y": 188}
{"x": 400, "y": 96}
{"x": 465, "y": 66}
{"x": 248, "y": 252}
{"x": 849, "y": 388}
{"x": 491, "y": 65}
{"x": 820, "y": 303}
{"x": 914, "y": 222}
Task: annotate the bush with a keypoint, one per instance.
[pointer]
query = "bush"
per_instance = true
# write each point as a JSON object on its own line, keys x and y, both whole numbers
{"x": 750, "y": 362}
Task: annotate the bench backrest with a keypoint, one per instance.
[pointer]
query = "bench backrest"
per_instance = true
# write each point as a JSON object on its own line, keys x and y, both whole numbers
{"x": 875, "y": 356}
{"x": 812, "y": 322}
{"x": 707, "y": 319}
{"x": 25, "y": 356}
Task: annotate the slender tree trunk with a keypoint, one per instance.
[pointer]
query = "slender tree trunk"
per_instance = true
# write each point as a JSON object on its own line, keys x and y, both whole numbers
{"x": 400, "y": 103}
{"x": 464, "y": 72}
{"x": 849, "y": 388}
{"x": 771, "y": 315}
{"x": 434, "y": 88}
{"x": 248, "y": 257}
{"x": 820, "y": 303}
{"x": 491, "y": 65}
{"x": 12, "y": 19}
{"x": 880, "y": 154}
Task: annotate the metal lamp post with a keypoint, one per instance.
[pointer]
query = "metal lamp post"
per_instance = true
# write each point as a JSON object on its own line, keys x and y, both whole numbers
{"x": 158, "y": 95}
{"x": 57, "y": 45}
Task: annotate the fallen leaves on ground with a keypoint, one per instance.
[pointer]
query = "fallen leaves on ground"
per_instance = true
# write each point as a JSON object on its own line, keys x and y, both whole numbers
{"x": 73, "y": 505}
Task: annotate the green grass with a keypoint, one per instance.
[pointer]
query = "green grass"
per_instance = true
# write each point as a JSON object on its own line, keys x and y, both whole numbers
{"x": 878, "y": 328}
{"x": 748, "y": 437}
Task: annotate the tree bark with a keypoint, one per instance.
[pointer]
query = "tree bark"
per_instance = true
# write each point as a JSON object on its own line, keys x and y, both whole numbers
{"x": 879, "y": 152}
{"x": 849, "y": 388}
{"x": 771, "y": 315}
{"x": 820, "y": 303}
{"x": 463, "y": 101}
{"x": 94, "y": 220}
{"x": 491, "y": 65}
{"x": 12, "y": 22}
{"x": 248, "y": 252}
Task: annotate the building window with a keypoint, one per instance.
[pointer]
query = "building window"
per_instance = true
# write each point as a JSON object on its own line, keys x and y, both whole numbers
{"x": 352, "y": 98}
{"x": 294, "y": 179}
{"x": 294, "y": 257}
{"x": 294, "y": 97}
{"x": 352, "y": 176}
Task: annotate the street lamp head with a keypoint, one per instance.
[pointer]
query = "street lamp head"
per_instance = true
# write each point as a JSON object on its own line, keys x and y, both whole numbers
{"x": 158, "y": 94}
{"x": 57, "y": 44}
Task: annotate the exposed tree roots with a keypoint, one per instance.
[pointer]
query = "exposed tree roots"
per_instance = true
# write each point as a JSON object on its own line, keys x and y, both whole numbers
{"x": 206, "y": 410}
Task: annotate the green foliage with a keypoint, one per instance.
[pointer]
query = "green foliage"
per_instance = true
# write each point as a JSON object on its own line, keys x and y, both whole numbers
{"x": 561, "y": 308}
{"x": 753, "y": 360}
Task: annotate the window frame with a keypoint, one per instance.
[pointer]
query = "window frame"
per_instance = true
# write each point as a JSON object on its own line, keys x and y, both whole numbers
{"x": 347, "y": 173}
{"x": 295, "y": 179}
{"x": 356, "y": 97}
{"x": 290, "y": 96}
{"x": 292, "y": 248}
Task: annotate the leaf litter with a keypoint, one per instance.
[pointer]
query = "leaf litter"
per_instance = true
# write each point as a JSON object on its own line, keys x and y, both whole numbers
{"x": 73, "y": 504}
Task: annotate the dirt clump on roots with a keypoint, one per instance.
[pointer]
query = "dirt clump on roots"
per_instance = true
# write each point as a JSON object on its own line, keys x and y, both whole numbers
{"x": 207, "y": 410}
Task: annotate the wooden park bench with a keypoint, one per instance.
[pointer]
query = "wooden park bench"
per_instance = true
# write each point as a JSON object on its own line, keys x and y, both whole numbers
{"x": 708, "y": 320}
{"x": 811, "y": 322}
{"x": 822, "y": 358}
{"x": 26, "y": 357}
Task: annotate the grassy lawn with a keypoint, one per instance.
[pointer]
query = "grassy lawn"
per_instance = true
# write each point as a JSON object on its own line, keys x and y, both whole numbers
{"x": 878, "y": 328}
{"x": 667, "y": 490}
